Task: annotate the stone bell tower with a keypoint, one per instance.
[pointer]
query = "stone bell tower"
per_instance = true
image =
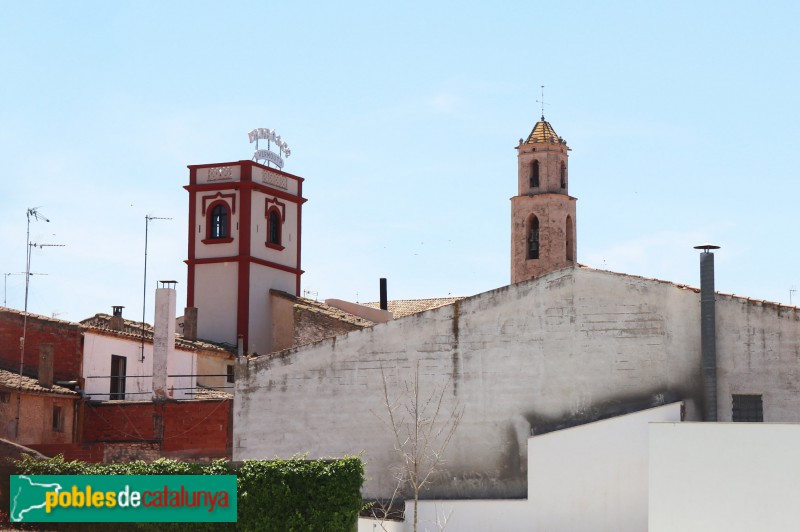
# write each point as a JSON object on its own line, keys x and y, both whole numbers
{"x": 542, "y": 212}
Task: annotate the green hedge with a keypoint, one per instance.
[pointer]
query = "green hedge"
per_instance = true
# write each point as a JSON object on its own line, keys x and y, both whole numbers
{"x": 273, "y": 495}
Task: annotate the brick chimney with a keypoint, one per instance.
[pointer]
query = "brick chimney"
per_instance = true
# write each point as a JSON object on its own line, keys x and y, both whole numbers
{"x": 46, "y": 365}
{"x": 190, "y": 323}
{"x": 116, "y": 323}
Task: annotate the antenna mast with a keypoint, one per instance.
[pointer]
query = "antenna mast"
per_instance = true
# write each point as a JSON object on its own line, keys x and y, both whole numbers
{"x": 144, "y": 285}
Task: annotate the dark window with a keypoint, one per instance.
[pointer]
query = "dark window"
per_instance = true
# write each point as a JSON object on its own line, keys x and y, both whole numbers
{"x": 5, "y": 397}
{"x": 219, "y": 222}
{"x": 563, "y": 175}
{"x": 533, "y": 239}
{"x": 535, "y": 174}
{"x": 570, "y": 244}
{"x": 748, "y": 408}
{"x": 230, "y": 373}
{"x": 117, "y": 377}
{"x": 274, "y": 229}
{"x": 58, "y": 419}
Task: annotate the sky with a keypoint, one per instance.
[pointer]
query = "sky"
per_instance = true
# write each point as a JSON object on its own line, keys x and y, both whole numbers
{"x": 682, "y": 117}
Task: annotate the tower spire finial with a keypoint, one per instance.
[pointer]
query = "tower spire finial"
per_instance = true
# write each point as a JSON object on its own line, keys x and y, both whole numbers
{"x": 542, "y": 102}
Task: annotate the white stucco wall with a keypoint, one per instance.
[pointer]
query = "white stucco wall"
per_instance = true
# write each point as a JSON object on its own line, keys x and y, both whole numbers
{"x": 725, "y": 477}
{"x": 215, "y": 298}
{"x": 568, "y": 346}
{"x": 591, "y": 478}
{"x": 258, "y": 234}
{"x": 182, "y": 363}
{"x": 97, "y": 351}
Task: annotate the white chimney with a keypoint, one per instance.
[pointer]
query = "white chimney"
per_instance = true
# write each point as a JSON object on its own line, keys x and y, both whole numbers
{"x": 163, "y": 337}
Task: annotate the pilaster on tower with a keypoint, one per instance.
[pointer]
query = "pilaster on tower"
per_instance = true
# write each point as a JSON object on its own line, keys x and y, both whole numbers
{"x": 542, "y": 213}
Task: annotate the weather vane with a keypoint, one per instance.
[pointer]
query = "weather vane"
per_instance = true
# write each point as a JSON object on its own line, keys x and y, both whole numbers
{"x": 542, "y": 102}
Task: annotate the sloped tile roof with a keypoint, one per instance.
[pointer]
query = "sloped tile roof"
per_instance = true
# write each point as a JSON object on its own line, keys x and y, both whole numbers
{"x": 543, "y": 132}
{"x": 10, "y": 381}
{"x": 322, "y": 308}
{"x": 135, "y": 330}
{"x": 405, "y": 307}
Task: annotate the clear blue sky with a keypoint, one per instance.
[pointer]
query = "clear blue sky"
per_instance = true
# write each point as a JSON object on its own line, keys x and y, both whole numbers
{"x": 403, "y": 117}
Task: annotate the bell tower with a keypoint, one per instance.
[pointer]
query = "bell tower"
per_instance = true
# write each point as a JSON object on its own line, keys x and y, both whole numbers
{"x": 244, "y": 239}
{"x": 542, "y": 212}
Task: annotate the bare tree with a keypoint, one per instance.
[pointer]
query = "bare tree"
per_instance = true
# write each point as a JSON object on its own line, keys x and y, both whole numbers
{"x": 422, "y": 428}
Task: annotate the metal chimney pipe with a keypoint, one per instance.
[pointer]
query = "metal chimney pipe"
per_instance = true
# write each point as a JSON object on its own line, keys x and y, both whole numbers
{"x": 384, "y": 298}
{"x": 708, "y": 331}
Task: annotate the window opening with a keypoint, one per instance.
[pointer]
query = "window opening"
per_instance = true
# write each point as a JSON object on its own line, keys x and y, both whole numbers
{"x": 570, "y": 244}
{"x": 274, "y": 231}
{"x": 58, "y": 419}
{"x": 230, "y": 373}
{"x": 535, "y": 174}
{"x": 117, "y": 390}
{"x": 563, "y": 175}
{"x": 748, "y": 408}
{"x": 533, "y": 239}
{"x": 219, "y": 222}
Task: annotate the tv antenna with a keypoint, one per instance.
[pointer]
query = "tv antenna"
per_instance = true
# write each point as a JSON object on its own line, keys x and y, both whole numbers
{"x": 37, "y": 216}
{"x": 147, "y": 219}
{"x": 5, "y": 284}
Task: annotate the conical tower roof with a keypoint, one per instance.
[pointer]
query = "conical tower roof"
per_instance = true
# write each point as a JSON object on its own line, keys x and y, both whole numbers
{"x": 543, "y": 132}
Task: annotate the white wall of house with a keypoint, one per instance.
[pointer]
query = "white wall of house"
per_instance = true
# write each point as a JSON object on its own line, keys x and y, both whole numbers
{"x": 182, "y": 363}
{"x": 591, "y": 478}
{"x": 97, "y": 351}
{"x": 727, "y": 477}
{"x": 568, "y": 346}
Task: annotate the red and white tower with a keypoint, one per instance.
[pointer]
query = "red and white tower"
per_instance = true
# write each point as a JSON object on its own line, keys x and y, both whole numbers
{"x": 244, "y": 239}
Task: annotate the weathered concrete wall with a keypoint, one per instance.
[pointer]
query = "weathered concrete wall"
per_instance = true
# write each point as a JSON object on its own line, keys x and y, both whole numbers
{"x": 572, "y": 346}
{"x": 758, "y": 352}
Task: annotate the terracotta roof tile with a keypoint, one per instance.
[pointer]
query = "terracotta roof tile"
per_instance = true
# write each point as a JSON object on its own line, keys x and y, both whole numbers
{"x": 405, "y": 307}
{"x": 11, "y": 381}
{"x": 135, "y": 330}
{"x": 322, "y": 308}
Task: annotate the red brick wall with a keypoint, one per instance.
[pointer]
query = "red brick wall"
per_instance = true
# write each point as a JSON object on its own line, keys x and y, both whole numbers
{"x": 85, "y": 452}
{"x": 185, "y": 429}
{"x": 67, "y": 340}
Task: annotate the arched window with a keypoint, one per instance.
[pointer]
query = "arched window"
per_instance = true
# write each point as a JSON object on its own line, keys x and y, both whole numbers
{"x": 533, "y": 239}
{"x": 570, "y": 239}
{"x": 563, "y": 175}
{"x": 218, "y": 221}
{"x": 535, "y": 174}
{"x": 274, "y": 228}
